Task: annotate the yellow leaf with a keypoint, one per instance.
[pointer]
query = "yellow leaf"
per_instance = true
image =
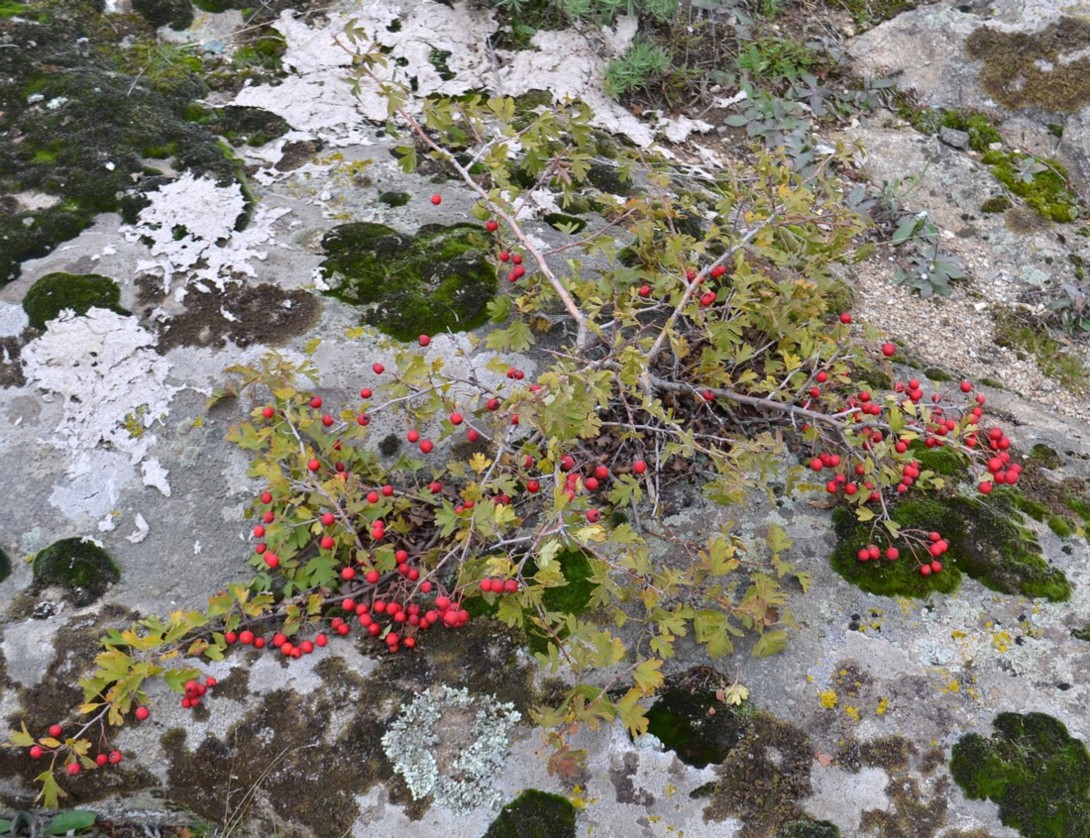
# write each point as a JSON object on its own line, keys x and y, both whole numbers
{"x": 479, "y": 462}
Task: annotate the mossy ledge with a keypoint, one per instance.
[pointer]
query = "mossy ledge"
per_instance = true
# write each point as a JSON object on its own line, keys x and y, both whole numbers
{"x": 986, "y": 543}
{"x": 80, "y": 566}
{"x": 535, "y": 814}
{"x": 1033, "y": 769}
{"x": 55, "y": 292}
{"x": 437, "y": 280}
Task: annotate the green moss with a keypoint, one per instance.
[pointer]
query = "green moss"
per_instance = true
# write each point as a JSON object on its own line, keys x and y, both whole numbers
{"x": 998, "y": 203}
{"x": 394, "y": 199}
{"x": 1028, "y": 339}
{"x": 1082, "y": 633}
{"x": 1033, "y": 769}
{"x": 944, "y": 461}
{"x": 936, "y": 374}
{"x": 177, "y": 14}
{"x": 995, "y": 384}
{"x": 869, "y": 13}
{"x": 5, "y": 565}
{"x": 252, "y": 126}
{"x": 680, "y": 719}
{"x": 809, "y": 829}
{"x": 79, "y": 292}
{"x": 1031, "y": 508}
{"x": 1081, "y": 507}
{"x": 1026, "y": 70}
{"x": 79, "y": 112}
{"x": 982, "y": 133}
{"x": 438, "y": 280}
{"x": 985, "y": 541}
{"x": 535, "y": 814}
{"x": 572, "y": 596}
{"x": 1043, "y": 184}
{"x": 1045, "y": 455}
{"x": 1061, "y": 526}
{"x": 79, "y": 565}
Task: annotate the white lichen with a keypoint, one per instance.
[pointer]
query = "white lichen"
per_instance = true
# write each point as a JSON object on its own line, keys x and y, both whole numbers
{"x": 434, "y": 748}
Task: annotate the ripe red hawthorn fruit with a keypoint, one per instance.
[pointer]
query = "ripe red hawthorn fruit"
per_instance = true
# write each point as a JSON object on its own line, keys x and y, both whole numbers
{"x": 230, "y": 637}
{"x": 73, "y": 769}
{"x": 115, "y": 757}
{"x": 533, "y": 486}
{"x": 594, "y": 516}
{"x": 426, "y": 446}
{"x": 321, "y": 640}
{"x": 503, "y": 256}
{"x": 437, "y": 199}
{"x": 413, "y": 436}
{"x": 821, "y": 377}
{"x": 378, "y": 368}
{"x": 889, "y": 349}
{"x": 456, "y": 418}
{"x": 845, "y": 317}
{"x": 56, "y": 731}
{"x": 645, "y": 291}
{"x": 472, "y": 435}
{"x": 327, "y": 542}
{"x": 365, "y": 393}
{"x": 268, "y": 412}
{"x": 141, "y": 713}
{"x": 259, "y": 642}
{"x": 567, "y": 462}
{"x": 492, "y": 225}
{"x": 36, "y": 751}
{"x": 314, "y": 465}
{"x": 718, "y": 271}
{"x": 424, "y": 340}
{"x": 272, "y": 560}
{"x": 316, "y": 402}
{"x": 516, "y": 258}
{"x": 892, "y": 553}
{"x": 925, "y": 570}
{"x": 266, "y": 497}
{"x": 639, "y": 467}
{"x": 328, "y": 519}
{"x": 246, "y": 637}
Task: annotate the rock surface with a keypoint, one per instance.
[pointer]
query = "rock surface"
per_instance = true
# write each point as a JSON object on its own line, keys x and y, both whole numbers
{"x": 106, "y": 434}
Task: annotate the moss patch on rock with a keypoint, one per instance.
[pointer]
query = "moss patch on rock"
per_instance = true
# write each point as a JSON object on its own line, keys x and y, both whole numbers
{"x": 55, "y": 292}
{"x": 5, "y": 565}
{"x": 764, "y": 778}
{"x": 81, "y": 114}
{"x": 79, "y": 565}
{"x": 1044, "y": 185}
{"x": 690, "y": 720}
{"x": 437, "y": 280}
{"x": 1028, "y": 339}
{"x": 535, "y": 814}
{"x": 1027, "y": 70}
{"x": 986, "y": 543}
{"x": 1033, "y": 769}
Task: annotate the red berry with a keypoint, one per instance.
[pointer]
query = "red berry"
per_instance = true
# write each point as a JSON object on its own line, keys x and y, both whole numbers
{"x": 645, "y": 291}
{"x": 456, "y": 418}
{"x": 56, "y": 731}
{"x": 413, "y": 437}
{"x": 328, "y": 519}
{"x": 816, "y": 464}
{"x": 925, "y": 570}
{"x": 533, "y": 486}
{"x": 437, "y": 199}
{"x": 115, "y": 757}
{"x": 845, "y": 318}
{"x": 266, "y": 497}
{"x": 327, "y": 420}
{"x": 889, "y": 349}
{"x": 365, "y": 393}
{"x": 936, "y": 566}
{"x": 426, "y": 446}
{"x": 246, "y": 637}
{"x": 503, "y": 256}
{"x": 327, "y": 542}
{"x": 492, "y": 225}
{"x": 272, "y": 560}
{"x": 966, "y": 387}
{"x": 73, "y": 768}
{"x": 316, "y": 402}
{"x": 320, "y": 641}
{"x": 268, "y": 412}
{"x": 142, "y": 713}
{"x": 892, "y": 553}
{"x": 423, "y": 340}
{"x": 639, "y": 467}
{"x": 378, "y": 369}
{"x": 314, "y": 465}
{"x": 36, "y": 751}
{"x": 594, "y": 516}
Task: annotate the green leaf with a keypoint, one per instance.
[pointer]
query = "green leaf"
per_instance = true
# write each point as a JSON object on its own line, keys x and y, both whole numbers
{"x": 905, "y": 230}
{"x": 51, "y": 791}
{"x": 5, "y": 826}
{"x": 73, "y": 821}
{"x": 21, "y": 738}
{"x": 770, "y": 643}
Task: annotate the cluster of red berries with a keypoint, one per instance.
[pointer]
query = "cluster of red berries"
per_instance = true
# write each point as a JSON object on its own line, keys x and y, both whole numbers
{"x": 499, "y": 586}
{"x": 195, "y": 691}
{"x": 73, "y": 768}
{"x": 936, "y": 546}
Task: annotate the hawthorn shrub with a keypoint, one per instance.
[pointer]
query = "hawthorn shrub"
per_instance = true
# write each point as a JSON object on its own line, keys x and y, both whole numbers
{"x": 712, "y": 344}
